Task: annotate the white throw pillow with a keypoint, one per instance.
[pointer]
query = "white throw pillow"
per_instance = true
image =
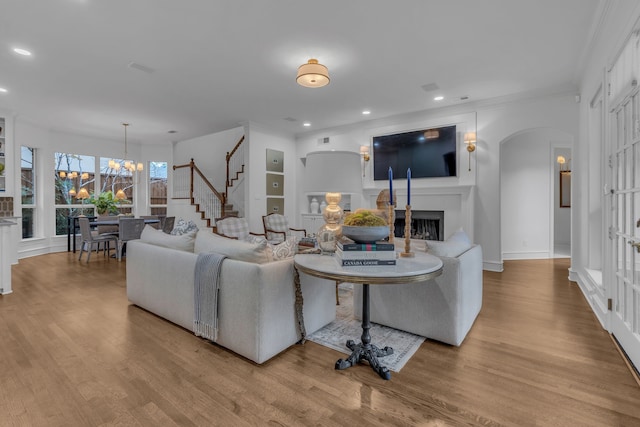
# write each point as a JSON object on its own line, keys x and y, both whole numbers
{"x": 183, "y": 242}
{"x": 286, "y": 249}
{"x": 457, "y": 244}
{"x": 235, "y": 249}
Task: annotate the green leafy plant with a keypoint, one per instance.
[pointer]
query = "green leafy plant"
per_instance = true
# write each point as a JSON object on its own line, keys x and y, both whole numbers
{"x": 1, "y": 168}
{"x": 104, "y": 202}
{"x": 364, "y": 218}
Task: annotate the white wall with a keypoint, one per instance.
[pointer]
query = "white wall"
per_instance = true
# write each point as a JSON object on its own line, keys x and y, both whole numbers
{"x": 261, "y": 139}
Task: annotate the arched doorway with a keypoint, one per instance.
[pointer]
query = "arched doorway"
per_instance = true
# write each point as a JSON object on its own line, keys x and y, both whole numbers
{"x": 532, "y": 222}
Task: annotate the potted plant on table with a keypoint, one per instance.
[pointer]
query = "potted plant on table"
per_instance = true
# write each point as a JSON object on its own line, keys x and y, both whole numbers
{"x": 104, "y": 203}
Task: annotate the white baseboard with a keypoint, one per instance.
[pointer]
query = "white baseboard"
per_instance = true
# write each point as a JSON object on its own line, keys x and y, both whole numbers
{"x": 526, "y": 255}
{"x": 498, "y": 267}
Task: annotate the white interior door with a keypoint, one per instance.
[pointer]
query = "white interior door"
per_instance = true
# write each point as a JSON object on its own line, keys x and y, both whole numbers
{"x": 625, "y": 225}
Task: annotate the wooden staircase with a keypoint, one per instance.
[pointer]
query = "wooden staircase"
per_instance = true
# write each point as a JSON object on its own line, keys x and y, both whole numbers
{"x": 229, "y": 211}
{"x": 190, "y": 183}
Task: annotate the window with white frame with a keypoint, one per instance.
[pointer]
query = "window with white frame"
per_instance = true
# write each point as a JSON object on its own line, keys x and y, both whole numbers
{"x": 74, "y": 175}
{"x": 115, "y": 179}
{"x": 158, "y": 188}
{"x": 28, "y": 191}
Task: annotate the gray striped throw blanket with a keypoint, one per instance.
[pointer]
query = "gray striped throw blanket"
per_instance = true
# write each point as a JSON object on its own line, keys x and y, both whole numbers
{"x": 205, "y": 294}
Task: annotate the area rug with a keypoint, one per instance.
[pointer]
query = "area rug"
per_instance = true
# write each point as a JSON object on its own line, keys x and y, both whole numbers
{"x": 345, "y": 327}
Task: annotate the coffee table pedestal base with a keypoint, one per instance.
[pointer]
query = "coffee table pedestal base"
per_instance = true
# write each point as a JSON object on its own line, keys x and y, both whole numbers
{"x": 368, "y": 352}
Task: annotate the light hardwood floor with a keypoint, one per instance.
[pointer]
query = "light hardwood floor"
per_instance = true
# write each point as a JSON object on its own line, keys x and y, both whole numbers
{"x": 74, "y": 352}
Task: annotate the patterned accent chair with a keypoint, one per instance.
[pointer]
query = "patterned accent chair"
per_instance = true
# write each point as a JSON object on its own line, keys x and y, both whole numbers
{"x": 276, "y": 228}
{"x": 234, "y": 228}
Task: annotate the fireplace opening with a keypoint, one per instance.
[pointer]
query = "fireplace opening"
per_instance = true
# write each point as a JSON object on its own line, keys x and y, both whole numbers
{"x": 425, "y": 225}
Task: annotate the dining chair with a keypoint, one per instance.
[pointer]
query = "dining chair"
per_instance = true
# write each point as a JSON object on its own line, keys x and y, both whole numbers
{"x": 107, "y": 229}
{"x": 88, "y": 239}
{"x": 276, "y": 228}
{"x": 167, "y": 224}
{"x": 130, "y": 229}
{"x": 155, "y": 225}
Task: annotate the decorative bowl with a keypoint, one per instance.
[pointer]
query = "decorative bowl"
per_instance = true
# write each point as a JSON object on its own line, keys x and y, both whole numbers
{"x": 364, "y": 234}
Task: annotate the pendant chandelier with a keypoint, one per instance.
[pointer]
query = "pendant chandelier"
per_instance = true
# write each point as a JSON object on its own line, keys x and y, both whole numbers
{"x": 128, "y": 165}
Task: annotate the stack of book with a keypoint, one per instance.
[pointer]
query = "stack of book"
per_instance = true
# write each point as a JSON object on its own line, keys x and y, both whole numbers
{"x": 350, "y": 253}
{"x": 306, "y": 245}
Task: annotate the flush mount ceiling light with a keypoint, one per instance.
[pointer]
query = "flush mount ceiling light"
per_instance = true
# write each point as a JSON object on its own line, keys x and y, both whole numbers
{"x": 312, "y": 74}
{"x": 22, "y": 52}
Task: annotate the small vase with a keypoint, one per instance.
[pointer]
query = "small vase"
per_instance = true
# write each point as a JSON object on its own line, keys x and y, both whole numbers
{"x": 322, "y": 206}
{"x": 314, "y": 206}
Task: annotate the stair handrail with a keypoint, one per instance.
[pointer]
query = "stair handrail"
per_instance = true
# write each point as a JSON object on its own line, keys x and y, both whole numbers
{"x": 229, "y": 159}
{"x": 195, "y": 169}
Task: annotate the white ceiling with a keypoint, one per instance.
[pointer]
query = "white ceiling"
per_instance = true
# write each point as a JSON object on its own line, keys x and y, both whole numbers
{"x": 216, "y": 63}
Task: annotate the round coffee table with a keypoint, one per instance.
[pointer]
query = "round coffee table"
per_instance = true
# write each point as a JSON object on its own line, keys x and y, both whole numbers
{"x": 420, "y": 268}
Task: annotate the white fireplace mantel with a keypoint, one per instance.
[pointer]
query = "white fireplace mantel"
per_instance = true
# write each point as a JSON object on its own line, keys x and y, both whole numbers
{"x": 457, "y": 202}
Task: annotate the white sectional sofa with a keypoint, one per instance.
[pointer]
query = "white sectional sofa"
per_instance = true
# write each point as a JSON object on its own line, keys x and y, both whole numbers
{"x": 442, "y": 309}
{"x": 256, "y": 314}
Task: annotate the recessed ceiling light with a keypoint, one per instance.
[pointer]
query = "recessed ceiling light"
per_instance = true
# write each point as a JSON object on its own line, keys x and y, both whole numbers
{"x": 366, "y": 112}
{"x": 438, "y": 98}
{"x": 3, "y": 90}
{"x": 22, "y": 52}
{"x": 307, "y": 124}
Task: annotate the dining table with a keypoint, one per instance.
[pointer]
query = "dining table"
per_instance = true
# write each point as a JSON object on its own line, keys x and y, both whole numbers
{"x": 73, "y": 227}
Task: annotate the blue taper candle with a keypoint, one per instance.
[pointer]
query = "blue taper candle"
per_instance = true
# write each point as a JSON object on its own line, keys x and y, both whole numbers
{"x": 390, "y": 186}
{"x": 409, "y": 186}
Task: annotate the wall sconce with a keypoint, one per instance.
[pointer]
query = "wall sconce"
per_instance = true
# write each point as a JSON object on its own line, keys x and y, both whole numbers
{"x": 562, "y": 161}
{"x": 364, "y": 152}
{"x": 470, "y": 140}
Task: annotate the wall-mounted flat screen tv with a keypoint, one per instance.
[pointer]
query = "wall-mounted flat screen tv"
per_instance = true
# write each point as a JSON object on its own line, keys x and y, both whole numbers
{"x": 429, "y": 153}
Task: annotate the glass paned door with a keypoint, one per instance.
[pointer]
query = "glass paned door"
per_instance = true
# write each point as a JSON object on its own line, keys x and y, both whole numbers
{"x": 625, "y": 227}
